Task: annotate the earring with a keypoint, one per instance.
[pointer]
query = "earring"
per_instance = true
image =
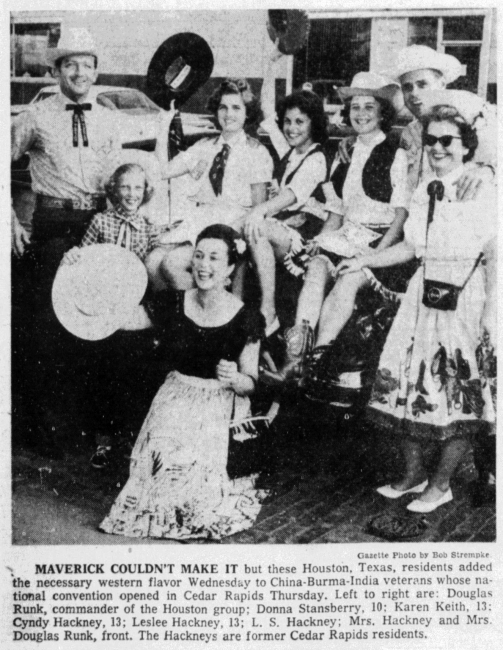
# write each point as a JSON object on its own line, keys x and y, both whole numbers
{"x": 228, "y": 282}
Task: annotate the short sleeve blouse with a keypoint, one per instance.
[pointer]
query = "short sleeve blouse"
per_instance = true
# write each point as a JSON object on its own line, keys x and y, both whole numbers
{"x": 460, "y": 230}
{"x": 249, "y": 163}
{"x": 307, "y": 176}
{"x": 196, "y": 350}
{"x": 355, "y": 205}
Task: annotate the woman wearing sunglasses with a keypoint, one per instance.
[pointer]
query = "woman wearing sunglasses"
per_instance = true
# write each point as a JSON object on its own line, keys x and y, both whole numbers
{"x": 433, "y": 382}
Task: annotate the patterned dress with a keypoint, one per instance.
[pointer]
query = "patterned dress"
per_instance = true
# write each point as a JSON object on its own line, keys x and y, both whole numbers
{"x": 178, "y": 485}
{"x": 434, "y": 373}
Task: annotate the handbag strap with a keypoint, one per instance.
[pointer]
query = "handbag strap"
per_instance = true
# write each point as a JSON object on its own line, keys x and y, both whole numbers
{"x": 233, "y": 407}
{"x": 477, "y": 262}
{"x": 435, "y": 191}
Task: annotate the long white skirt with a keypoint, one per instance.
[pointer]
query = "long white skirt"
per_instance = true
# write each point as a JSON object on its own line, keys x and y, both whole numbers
{"x": 431, "y": 382}
{"x": 178, "y": 485}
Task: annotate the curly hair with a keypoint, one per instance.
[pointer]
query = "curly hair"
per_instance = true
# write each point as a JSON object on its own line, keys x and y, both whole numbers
{"x": 240, "y": 87}
{"x": 444, "y": 113}
{"x": 113, "y": 183}
{"x": 311, "y": 105}
{"x": 386, "y": 109}
{"x": 225, "y": 233}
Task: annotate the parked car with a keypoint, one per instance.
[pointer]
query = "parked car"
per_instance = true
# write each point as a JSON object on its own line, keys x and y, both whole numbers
{"x": 136, "y": 113}
{"x": 138, "y": 117}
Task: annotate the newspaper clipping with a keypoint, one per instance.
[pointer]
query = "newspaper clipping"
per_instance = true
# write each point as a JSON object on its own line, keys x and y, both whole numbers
{"x": 249, "y": 379}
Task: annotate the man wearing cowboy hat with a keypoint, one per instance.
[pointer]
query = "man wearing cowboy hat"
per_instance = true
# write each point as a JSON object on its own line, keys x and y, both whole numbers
{"x": 420, "y": 69}
{"x": 72, "y": 141}
{"x": 74, "y": 145}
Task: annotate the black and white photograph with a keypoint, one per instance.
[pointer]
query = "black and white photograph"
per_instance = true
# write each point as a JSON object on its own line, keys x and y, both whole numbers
{"x": 253, "y": 276}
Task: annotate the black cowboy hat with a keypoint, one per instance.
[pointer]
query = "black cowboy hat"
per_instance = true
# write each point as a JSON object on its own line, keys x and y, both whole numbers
{"x": 290, "y": 26}
{"x": 181, "y": 65}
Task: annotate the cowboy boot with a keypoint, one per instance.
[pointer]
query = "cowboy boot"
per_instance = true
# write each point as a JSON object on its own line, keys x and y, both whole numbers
{"x": 299, "y": 342}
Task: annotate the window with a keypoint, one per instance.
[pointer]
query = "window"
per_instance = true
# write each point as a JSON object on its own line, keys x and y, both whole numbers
{"x": 336, "y": 50}
{"x": 29, "y": 42}
{"x": 460, "y": 36}
{"x": 128, "y": 100}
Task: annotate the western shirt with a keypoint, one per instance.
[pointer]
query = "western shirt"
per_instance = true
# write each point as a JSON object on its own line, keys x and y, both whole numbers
{"x": 59, "y": 169}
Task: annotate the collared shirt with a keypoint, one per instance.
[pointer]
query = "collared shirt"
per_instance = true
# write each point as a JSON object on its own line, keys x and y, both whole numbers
{"x": 307, "y": 176}
{"x": 417, "y": 158}
{"x": 59, "y": 169}
{"x": 459, "y": 231}
{"x": 110, "y": 226}
{"x": 355, "y": 205}
{"x": 249, "y": 163}
{"x": 310, "y": 174}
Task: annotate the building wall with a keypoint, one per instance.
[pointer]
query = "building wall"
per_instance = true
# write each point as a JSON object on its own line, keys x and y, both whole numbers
{"x": 129, "y": 39}
{"x": 238, "y": 39}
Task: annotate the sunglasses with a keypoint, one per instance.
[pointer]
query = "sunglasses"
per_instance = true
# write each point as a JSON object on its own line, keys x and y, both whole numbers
{"x": 445, "y": 140}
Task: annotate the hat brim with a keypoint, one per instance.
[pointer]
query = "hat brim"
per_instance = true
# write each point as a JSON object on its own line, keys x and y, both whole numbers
{"x": 390, "y": 93}
{"x": 93, "y": 297}
{"x": 193, "y": 51}
{"x": 53, "y": 54}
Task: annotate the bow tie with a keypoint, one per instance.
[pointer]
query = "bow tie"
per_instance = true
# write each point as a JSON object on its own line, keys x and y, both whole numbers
{"x": 78, "y": 116}
{"x": 135, "y": 220}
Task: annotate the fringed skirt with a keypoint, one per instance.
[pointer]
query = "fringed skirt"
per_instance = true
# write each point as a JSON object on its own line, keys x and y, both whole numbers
{"x": 178, "y": 485}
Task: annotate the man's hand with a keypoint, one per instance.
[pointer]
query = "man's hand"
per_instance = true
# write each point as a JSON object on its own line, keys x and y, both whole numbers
{"x": 20, "y": 237}
{"x": 344, "y": 148}
{"x": 470, "y": 183}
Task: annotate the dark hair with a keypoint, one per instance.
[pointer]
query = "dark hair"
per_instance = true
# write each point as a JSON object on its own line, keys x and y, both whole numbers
{"x": 444, "y": 113}
{"x": 58, "y": 62}
{"x": 227, "y": 234}
{"x": 388, "y": 113}
{"x": 311, "y": 105}
{"x": 240, "y": 87}
{"x": 111, "y": 185}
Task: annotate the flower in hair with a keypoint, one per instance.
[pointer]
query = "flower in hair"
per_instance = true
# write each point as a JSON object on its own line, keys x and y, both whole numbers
{"x": 240, "y": 246}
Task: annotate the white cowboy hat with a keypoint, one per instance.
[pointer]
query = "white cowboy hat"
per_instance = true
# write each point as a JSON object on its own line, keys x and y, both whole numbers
{"x": 74, "y": 40}
{"x": 421, "y": 57}
{"x": 374, "y": 85}
{"x": 468, "y": 105}
{"x": 93, "y": 297}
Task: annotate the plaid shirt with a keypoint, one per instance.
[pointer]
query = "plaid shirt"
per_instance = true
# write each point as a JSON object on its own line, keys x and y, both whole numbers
{"x": 129, "y": 231}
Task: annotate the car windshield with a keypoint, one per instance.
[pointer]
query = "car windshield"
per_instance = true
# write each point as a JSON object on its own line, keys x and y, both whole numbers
{"x": 129, "y": 101}
{"x": 45, "y": 95}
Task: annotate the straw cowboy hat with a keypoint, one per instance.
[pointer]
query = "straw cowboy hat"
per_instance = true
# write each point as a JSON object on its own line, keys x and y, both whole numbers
{"x": 93, "y": 297}
{"x": 180, "y": 66}
{"x": 421, "y": 57}
{"x": 74, "y": 40}
{"x": 375, "y": 85}
{"x": 468, "y": 105}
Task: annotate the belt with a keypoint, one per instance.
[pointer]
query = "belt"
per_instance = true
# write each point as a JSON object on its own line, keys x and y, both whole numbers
{"x": 90, "y": 202}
